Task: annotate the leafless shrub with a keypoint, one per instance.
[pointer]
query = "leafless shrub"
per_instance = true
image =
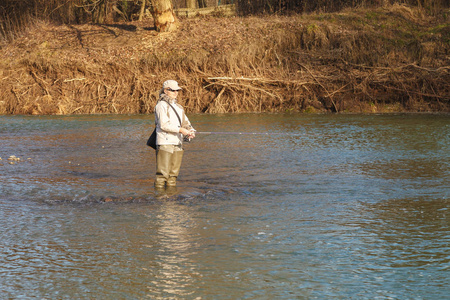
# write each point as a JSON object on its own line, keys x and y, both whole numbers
{"x": 317, "y": 62}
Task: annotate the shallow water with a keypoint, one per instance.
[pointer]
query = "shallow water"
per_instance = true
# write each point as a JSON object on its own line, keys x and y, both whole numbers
{"x": 322, "y": 207}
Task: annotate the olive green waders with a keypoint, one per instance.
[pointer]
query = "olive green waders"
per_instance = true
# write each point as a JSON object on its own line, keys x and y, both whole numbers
{"x": 168, "y": 166}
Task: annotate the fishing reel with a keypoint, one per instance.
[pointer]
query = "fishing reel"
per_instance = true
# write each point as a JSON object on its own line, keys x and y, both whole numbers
{"x": 187, "y": 138}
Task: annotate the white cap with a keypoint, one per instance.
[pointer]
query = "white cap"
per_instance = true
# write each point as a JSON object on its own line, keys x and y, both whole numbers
{"x": 171, "y": 84}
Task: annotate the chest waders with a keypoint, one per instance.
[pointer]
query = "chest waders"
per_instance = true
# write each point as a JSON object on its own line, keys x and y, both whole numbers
{"x": 168, "y": 162}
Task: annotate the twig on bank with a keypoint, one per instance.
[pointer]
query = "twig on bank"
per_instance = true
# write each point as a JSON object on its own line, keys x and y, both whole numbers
{"x": 417, "y": 93}
{"x": 429, "y": 69}
{"x": 326, "y": 90}
{"x": 230, "y": 84}
{"x": 414, "y": 65}
{"x": 41, "y": 82}
{"x": 76, "y": 109}
{"x": 74, "y": 79}
{"x": 338, "y": 90}
{"x": 215, "y": 101}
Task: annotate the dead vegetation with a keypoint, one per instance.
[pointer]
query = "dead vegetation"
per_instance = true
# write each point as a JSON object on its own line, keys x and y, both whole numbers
{"x": 387, "y": 59}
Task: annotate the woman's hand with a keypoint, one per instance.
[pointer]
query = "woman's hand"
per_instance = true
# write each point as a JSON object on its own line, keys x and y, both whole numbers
{"x": 189, "y": 133}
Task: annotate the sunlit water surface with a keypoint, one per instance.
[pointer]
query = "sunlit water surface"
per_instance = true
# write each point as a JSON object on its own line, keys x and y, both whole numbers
{"x": 321, "y": 207}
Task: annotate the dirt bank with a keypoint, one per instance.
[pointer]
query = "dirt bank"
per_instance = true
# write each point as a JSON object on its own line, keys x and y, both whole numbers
{"x": 382, "y": 60}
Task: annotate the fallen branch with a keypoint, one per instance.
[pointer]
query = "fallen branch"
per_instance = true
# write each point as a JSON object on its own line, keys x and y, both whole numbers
{"x": 74, "y": 79}
{"x": 263, "y": 80}
{"x": 248, "y": 87}
{"x": 326, "y": 90}
{"x": 414, "y": 65}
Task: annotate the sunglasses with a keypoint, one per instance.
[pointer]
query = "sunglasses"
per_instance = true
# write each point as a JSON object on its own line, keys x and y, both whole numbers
{"x": 170, "y": 90}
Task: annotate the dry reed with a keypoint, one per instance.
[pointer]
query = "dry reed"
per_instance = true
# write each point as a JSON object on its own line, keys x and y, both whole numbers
{"x": 386, "y": 59}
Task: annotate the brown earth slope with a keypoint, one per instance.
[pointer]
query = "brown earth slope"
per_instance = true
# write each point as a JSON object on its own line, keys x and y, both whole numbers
{"x": 383, "y": 60}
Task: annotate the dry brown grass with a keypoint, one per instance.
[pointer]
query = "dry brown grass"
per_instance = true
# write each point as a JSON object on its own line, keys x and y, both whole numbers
{"x": 386, "y": 59}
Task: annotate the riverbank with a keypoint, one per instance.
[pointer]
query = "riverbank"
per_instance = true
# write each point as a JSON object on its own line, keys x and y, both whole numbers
{"x": 392, "y": 59}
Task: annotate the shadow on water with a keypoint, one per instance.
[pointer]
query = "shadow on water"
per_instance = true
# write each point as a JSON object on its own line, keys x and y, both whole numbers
{"x": 89, "y": 175}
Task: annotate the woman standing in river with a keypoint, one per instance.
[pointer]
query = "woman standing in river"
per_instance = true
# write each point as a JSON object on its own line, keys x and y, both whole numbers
{"x": 172, "y": 126}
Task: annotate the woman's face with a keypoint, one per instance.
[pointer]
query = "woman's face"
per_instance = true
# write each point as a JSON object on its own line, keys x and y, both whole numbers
{"x": 171, "y": 93}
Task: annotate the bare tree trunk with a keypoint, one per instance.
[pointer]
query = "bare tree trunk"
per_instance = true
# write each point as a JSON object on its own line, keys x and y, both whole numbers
{"x": 163, "y": 15}
{"x": 191, "y": 3}
{"x": 142, "y": 11}
{"x": 99, "y": 12}
{"x": 201, "y": 3}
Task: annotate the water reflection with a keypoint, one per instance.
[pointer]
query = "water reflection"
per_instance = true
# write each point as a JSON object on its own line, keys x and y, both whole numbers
{"x": 175, "y": 274}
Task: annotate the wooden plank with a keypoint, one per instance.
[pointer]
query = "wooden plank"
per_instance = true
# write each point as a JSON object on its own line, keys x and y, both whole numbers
{"x": 228, "y": 10}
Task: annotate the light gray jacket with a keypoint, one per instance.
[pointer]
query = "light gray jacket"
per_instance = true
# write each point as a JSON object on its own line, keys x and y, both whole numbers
{"x": 167, "y": 123}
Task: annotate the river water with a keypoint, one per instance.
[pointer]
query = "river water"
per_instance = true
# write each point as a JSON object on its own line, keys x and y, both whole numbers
{"x": 321, "y": 207}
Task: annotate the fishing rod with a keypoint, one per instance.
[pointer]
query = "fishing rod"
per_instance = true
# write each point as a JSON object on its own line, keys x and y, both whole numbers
{"x": 228, "y": 132}
{"x": 251, "y": 133}
{"x": 187, "y": 139}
